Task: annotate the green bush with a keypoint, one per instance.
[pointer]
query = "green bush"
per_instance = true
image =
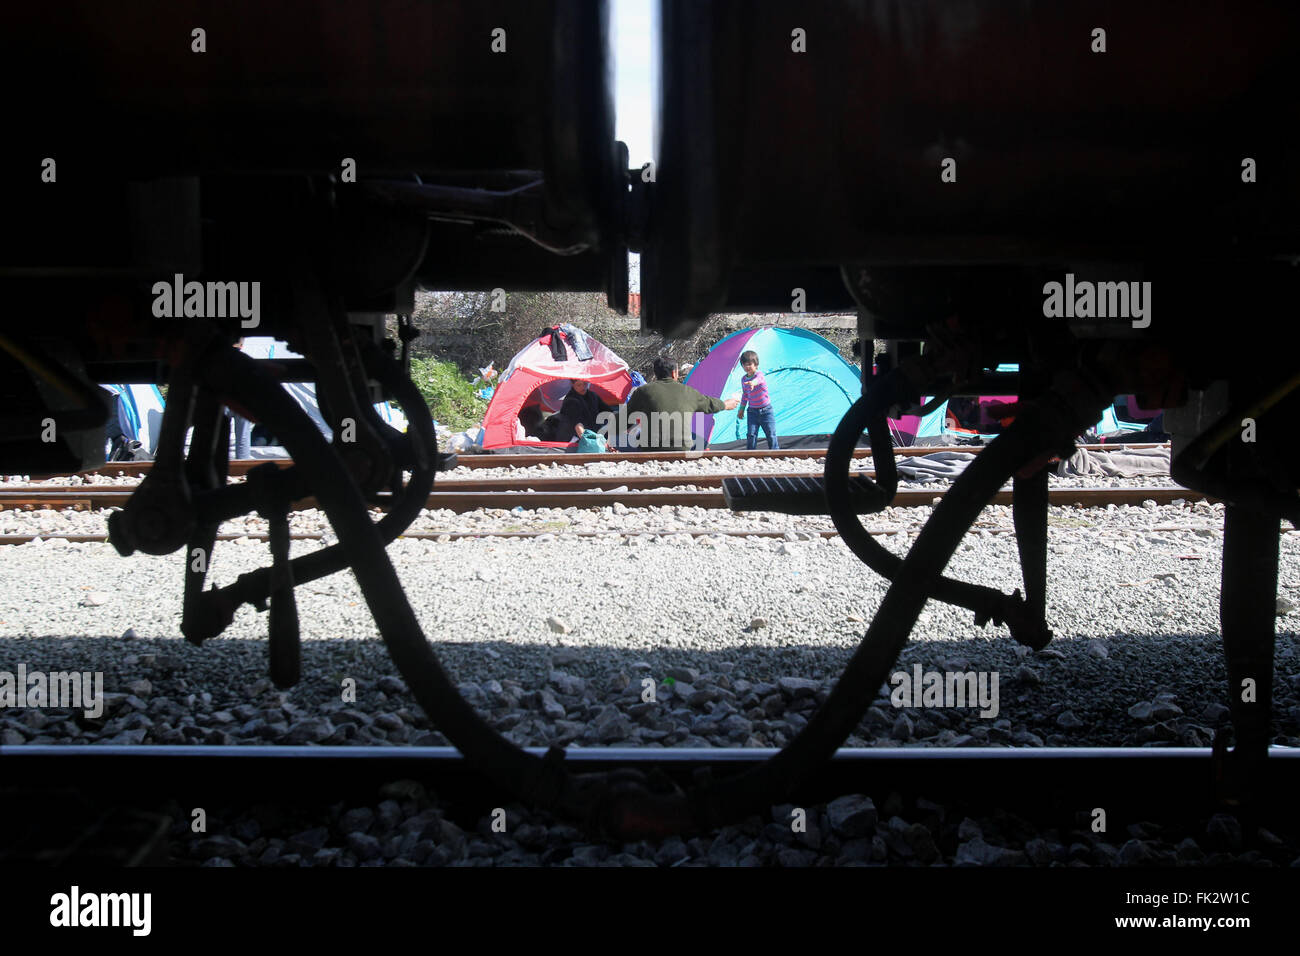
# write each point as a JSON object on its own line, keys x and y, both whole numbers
{"x": 452, "y": 399}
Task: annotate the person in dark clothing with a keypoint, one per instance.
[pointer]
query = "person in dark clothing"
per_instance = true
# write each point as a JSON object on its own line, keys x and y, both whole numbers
{"x": 578, "y": 412}
{"x": 115, "y": 433}
{"x": 532, "y": 420}
{"x": 243, "y": 431}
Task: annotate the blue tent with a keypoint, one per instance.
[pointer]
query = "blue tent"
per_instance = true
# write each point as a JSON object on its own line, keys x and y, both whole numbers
{"x": 933, "y": 425}
{"x": 304, "y": 393}
{"x": 140, "y": 407}
{"x": 930, "y": 426}
{"x": 811, "y": 385}
{"x": 139, "y": 413}
{"x": 1111, "y": 423}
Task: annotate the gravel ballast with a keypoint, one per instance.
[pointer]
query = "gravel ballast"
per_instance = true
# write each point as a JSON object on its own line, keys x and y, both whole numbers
{"x": 406, "y": 826}
{"x": 553, "y": 639}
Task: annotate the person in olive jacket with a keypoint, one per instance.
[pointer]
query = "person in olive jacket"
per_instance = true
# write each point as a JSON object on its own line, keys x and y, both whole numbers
{"x": 666, "y": 396}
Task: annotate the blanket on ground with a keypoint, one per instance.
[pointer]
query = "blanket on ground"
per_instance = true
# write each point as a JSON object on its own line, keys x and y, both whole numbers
{"x": 1129, "y": 463}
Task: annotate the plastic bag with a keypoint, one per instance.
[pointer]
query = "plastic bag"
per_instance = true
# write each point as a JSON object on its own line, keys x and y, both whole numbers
{"x": 591, "y": 442}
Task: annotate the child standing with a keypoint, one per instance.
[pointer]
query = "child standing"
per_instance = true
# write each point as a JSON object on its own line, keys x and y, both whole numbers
{"x": 753, "y": 392}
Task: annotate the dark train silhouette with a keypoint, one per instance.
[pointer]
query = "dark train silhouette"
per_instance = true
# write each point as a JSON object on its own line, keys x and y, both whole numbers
{"x": 175, "y": 175}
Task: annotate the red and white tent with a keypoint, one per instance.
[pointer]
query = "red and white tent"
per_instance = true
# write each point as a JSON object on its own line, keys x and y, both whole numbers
{"x": 535, "y": 376}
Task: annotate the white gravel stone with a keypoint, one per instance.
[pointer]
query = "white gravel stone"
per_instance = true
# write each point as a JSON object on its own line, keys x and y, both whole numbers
{"x": 642, "y": 611}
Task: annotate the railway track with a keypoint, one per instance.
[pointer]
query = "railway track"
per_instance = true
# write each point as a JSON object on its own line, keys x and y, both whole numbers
{"x": 651, "y": 532}
{"x": 14, "y": 539}
{"x": 132, "y": 822}
{"x": 505, "y": 494}
{"x": 241, "y": 466}
{"x": 460, "y": 495}
{"x": 1141, "y": 779}
{"x": 577, "y": 491}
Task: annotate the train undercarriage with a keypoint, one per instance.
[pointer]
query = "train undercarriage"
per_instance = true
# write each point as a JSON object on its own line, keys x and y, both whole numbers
{"x": 946, "y": 170}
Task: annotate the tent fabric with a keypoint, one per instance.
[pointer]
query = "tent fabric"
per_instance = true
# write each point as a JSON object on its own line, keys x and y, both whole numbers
{"x": 815, "y": 392}
{"x": 534, "y": 374}
{"x": 142, "y": 405}
{"x": 811, "y": 385}
{"x": 139, "y": 413}
{"x": 1111, "y": 423}
{"x": 811, "y": 390}
{"x": 304, "y": 393}
{"x": 934, "y": 428}
{"x": 911, "y": 429}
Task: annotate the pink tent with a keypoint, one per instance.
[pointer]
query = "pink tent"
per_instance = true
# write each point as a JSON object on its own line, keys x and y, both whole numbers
{"x": 534, "y": 375}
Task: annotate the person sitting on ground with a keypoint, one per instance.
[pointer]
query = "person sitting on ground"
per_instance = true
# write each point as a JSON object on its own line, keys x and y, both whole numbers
{"x": 531, "y": 421}
{"x": 578, "y": 412}
{"x": 675, "y": 403}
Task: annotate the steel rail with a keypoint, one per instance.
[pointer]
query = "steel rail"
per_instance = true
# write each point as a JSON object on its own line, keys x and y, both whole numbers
{"x": 241, "y": 466}
{"x": 436, "y": 535}
{"x": 1150, "y": 779}
{"x": 464, "y": 500}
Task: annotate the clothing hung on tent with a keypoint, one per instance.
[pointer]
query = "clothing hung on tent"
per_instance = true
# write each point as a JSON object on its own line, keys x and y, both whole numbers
{"x": 536, "y": 383}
